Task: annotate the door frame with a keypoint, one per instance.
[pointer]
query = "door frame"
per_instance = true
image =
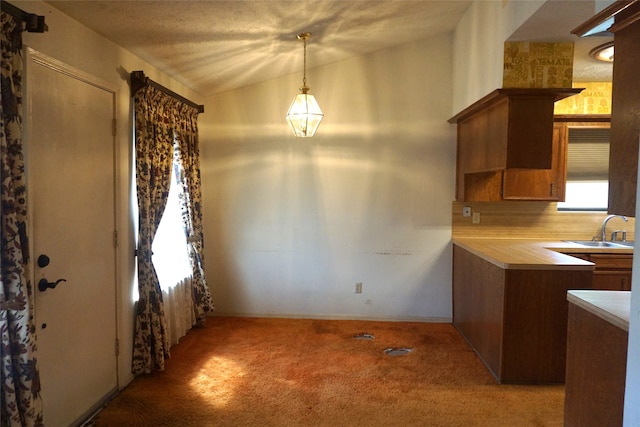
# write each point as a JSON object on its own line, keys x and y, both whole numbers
{"x": 35, "y": 58}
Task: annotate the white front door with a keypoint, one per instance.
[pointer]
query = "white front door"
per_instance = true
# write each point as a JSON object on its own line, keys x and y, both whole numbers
{"x": 70, "y": 176}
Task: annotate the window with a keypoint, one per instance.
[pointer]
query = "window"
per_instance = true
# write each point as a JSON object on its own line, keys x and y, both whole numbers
{"x": 170, "y": 257}
{"x": 587, "y": 185}
{"x": 170, "y": 251}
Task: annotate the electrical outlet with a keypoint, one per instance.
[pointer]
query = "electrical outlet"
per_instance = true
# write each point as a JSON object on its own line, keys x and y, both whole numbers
{"x": 359, "y": 288}
{"x": 476, "y": 218}
{"x": 466, "y": 211}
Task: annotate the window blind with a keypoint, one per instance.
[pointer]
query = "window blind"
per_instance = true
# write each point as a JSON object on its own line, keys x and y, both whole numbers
{"x": 588, "y": 154}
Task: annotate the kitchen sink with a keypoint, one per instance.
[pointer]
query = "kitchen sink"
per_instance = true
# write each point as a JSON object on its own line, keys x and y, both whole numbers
{"x": 625, "y": 244}
{"x": 598, "y": 244}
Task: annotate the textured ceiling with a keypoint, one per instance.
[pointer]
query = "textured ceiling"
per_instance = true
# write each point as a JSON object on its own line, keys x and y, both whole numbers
{"x": 214, "y": 46}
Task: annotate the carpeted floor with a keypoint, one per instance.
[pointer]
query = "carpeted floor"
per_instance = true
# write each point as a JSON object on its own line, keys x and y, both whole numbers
{"x": 293, "y": 372}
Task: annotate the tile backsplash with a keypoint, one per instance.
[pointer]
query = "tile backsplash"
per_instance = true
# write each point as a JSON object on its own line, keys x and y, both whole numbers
{"x": 535, "y": 220}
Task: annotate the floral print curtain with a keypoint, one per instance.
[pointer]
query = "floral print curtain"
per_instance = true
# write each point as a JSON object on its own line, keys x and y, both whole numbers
{"x": 187, "y": 164}
{"x": 21, "y": 401}
{"x": 166, "y": 137}
{"x": 154, "y": 159}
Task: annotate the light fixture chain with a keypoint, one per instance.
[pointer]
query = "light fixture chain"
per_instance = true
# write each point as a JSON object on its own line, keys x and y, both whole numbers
{"x": 304, "y": 73}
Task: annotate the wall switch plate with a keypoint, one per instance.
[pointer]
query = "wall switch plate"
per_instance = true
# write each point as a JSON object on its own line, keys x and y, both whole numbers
{"x": 476, "y": 218}
{"x": 359, "y": 288}
{"x": 466, "y": 211}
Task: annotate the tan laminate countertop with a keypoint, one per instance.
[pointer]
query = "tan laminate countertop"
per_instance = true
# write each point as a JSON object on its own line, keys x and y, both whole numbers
{"x": 530, "y": 254}
{"x": 612, "y": 306}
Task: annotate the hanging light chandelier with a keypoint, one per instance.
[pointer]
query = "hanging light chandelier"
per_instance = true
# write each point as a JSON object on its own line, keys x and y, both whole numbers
{"x": 304, "y": 115}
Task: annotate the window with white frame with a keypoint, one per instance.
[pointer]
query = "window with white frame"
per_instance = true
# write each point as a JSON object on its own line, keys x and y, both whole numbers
{"x": 587, "y": 187}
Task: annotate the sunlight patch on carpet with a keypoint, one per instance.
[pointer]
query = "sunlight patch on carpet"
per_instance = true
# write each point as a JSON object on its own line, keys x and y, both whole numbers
{"x": 216, "y": 379}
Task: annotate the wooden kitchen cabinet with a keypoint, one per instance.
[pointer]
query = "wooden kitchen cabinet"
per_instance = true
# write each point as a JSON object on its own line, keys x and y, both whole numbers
{"x": 596, "y": 370}
{"x": 541, "y": 184}
{"x": 612, "y": 281}
{"x": 509, "y": 147}
{"x": 515, "y": 320}
{"x": 612, "y": 272}
{"x": 523, "y": 184}
{"x": 625, "y": 114}
{"x": 625, "y": 103}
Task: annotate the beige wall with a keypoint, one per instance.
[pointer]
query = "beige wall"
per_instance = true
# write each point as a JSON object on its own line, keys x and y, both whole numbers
{"x": 478, "y": 48}
{"x": 292, "y": 224}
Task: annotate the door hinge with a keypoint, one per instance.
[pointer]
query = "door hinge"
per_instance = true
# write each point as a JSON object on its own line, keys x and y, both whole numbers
{"x": 117, "y": 347}
{"x": 113, "y": 127}
{"x": 115, "y": 238}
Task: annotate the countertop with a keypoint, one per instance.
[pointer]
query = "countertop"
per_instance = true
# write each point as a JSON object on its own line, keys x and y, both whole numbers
{"x": 612, "y": 306}
{"x": 531, "y": 254}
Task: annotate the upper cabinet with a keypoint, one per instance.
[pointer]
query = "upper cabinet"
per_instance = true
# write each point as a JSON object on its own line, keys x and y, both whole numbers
{"x": 625, "y": 103}
{"x": 508, "y": 147}
{"x": 625, "y": 113}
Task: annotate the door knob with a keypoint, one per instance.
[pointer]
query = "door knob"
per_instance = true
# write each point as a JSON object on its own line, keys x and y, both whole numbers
{"x": 44, "y": 284}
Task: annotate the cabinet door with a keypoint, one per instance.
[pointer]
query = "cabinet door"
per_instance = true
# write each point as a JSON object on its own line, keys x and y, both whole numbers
{"x": 613, "y": 271}
{"x": 540, "y": 184}
{"x": 611, "y": 281}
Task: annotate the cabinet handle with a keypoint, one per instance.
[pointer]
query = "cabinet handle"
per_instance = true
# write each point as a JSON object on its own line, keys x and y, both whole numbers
{"x": 552, "y": 189}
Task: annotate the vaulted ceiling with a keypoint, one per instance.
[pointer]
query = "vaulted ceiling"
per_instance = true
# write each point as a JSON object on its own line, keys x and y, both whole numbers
{"x": 214, "y": 46}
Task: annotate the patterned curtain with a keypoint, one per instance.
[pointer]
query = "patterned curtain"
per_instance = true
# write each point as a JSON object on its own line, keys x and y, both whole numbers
{"x": 154, "y": 159}
{"x": 21, "y": 401}
{"x": 187, "y": 166}
{"x": 166, "y": 137}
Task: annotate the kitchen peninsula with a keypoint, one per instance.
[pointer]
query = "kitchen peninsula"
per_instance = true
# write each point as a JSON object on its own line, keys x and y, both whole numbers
{"x": 597, "y": 337}
{"x": 510, "y": 303}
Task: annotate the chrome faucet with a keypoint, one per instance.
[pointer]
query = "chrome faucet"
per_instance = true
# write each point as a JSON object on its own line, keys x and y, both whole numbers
{"x": 604, "y": 225}
{"x": 614, "y": 235}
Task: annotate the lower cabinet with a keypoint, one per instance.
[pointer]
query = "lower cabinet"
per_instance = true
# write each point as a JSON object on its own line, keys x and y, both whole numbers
{"x": 613, "y": 271}
{"x": 596, "y": 371}
{"x": 515, "y": 320}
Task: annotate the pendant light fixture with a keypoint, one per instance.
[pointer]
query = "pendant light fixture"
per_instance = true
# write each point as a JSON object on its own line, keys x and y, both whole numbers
{"x": 304, "y": 115}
